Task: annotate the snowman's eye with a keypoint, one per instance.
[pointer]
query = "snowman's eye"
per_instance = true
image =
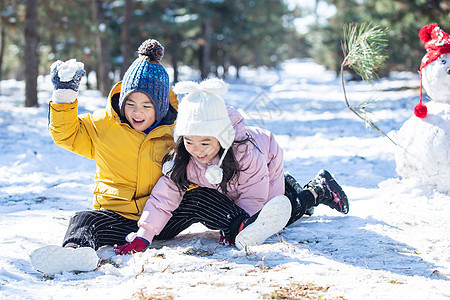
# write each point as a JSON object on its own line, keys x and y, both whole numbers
{"x": 443, "y": 61}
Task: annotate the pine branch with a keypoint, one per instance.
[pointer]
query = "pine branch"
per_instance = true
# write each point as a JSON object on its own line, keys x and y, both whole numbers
{"x": 363, "y": 49}
{"x": 364, "y": 111}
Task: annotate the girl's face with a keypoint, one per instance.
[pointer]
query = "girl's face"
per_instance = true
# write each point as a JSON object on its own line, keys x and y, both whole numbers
{"x": 202, "y": 148}
{"x": 139, "y": 111}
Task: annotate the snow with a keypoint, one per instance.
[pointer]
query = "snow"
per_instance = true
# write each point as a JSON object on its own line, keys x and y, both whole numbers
{"x": 67, "y": 69}
{"x": 393, "y": 244}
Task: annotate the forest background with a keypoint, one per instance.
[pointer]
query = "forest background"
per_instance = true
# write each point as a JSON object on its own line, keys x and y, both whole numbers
{"x": 213, "y": 36}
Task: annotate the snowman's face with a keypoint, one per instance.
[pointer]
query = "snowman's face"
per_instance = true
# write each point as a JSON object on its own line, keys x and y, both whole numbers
{"x": 436, "y": 79}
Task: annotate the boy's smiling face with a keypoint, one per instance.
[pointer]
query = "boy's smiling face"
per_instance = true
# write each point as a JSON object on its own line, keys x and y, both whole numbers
{"x": 139, "y": 111}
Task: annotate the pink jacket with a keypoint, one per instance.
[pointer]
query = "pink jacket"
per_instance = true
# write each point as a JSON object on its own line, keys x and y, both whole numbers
{"x": 262, "y": 178}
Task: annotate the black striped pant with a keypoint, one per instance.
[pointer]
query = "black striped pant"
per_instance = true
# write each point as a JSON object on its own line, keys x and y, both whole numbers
{"x": 97, "y": 228}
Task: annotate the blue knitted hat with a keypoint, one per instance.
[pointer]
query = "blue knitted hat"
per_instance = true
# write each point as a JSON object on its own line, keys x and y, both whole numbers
{"x": 148, "y": 76}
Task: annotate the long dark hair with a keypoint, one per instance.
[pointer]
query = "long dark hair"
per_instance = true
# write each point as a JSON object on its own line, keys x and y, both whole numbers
{"x": 178, "y": 173}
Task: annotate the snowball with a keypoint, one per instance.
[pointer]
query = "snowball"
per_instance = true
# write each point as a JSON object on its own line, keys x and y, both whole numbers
{"x": 67, "y": 69}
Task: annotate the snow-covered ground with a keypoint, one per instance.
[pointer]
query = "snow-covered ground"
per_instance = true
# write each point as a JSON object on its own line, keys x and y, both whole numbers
{"x": 394, "y": 243}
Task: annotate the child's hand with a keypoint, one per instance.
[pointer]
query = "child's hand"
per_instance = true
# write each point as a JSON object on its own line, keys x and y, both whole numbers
{"x": 66, "y": 77}
{"x": 137, "y": 245}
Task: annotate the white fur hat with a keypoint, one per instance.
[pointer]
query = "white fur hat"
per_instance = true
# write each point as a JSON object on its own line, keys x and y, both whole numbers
{"x": 202, "y": 112}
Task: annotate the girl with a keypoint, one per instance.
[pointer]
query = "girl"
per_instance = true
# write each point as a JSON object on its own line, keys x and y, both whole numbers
{"x": 236, "y": 173}
{"x": 127, "y": 140}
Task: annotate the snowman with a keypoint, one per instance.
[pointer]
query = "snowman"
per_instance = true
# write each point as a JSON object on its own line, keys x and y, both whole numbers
{"x": 423, "y": 154}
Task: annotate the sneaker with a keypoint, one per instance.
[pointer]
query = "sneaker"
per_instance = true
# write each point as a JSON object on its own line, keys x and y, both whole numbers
{"x": 329, "y": 191}
{"x": 271, "y": 219}
{"x": 52, "y": 260}
{"x": 293, "y": 187}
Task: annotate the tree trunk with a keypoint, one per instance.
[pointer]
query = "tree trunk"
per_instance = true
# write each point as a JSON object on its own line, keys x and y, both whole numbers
{"x": 206, "y": 48}
{"x": 174, "y": 55}
{"x": 226, "y": 65}
{"x": 31, "y": 58}
{"x": 316, "y": 12}
{"x": 104, "y": 67}
{"x": 2, "y": 48}
{"x": 125, "y": 37}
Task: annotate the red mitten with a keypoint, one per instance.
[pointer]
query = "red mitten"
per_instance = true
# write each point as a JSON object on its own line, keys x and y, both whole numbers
{"x": 137, "y": 245}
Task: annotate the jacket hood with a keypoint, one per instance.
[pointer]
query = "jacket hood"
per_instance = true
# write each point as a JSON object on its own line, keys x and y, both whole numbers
{"x": 238, "y": 123}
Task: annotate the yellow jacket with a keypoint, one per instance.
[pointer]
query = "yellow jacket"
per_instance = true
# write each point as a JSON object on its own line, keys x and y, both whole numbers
{"x": 128, "y": 161}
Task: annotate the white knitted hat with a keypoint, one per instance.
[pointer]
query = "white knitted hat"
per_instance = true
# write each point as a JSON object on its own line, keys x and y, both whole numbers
{"x": 203, "y": 113}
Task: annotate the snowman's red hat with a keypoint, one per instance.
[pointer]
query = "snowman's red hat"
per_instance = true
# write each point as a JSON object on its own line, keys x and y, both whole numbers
{"x": 436, "y": 42}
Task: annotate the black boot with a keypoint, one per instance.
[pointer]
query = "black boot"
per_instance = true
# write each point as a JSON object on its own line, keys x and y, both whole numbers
{"x": 293, "y": 189}
{"x": 329, "y": 192}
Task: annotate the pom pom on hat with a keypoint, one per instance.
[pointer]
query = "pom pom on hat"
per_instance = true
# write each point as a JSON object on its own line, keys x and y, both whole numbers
{"x": 214, "y": 174}
{"x": 436, "y": 42}
{"x": 152, "y": 49}
{"x": 146, "y": 75}
{"x": 420, "y": 110}
{"x": 425, "y": 35}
